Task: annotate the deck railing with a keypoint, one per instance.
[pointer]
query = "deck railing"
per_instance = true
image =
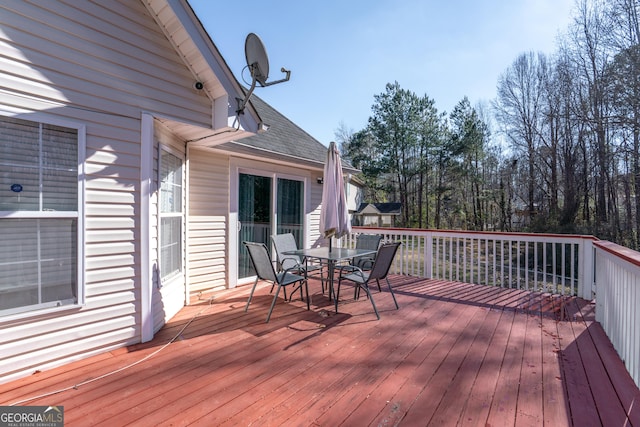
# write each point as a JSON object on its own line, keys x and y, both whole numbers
{"x": 617, "y": 271}
{"x": 561, "y": 264}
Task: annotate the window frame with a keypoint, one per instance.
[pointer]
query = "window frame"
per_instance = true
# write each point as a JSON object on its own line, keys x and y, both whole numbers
{"x": 164, "y": 279}
{"x": 79, "y": 215}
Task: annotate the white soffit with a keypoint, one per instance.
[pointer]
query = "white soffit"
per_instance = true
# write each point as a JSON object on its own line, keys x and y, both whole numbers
{"x": 195, "y": 135}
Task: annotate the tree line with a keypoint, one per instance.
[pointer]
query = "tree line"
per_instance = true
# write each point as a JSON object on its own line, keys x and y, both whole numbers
{"x": 557, "y": 150}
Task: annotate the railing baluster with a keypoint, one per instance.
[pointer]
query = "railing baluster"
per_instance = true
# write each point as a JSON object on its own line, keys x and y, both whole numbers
{"x": 440, "y": 251}
{"x": 554, "y": 257}
{"x": 464, "y": 259}
{"x": 451, "y": 258}
{"x": 533, "y": 267}
{"x": 544, "y": 265}
{"x": 563, "y": 267}
{"x": 494, "y": 262}
{"x": 469, "y": 254}
{"x": 574, "y": 272}
{"x": 511, "y": 267}
{"x": 502, "y": 280}
{"x": 526, "y": 265}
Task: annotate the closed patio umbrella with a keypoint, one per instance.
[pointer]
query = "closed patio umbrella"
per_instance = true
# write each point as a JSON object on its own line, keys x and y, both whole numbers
{"x": 334, "y": 214}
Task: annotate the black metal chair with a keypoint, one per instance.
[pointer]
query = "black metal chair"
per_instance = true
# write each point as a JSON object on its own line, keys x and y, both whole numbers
{"x": 363, "y": 241}
{"x": 379, "y": 270}
{"x": 287, "y": 242}
{"x": 366, "y": 241}
{"x": 259, "y": 255}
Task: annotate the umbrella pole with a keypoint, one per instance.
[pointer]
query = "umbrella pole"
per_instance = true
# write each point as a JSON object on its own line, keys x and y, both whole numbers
{"x": 329, "y": 244}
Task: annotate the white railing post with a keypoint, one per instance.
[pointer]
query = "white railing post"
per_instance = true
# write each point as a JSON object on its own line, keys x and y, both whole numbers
{"x": 428, "y": 255}
{"x": 586, "y": 279}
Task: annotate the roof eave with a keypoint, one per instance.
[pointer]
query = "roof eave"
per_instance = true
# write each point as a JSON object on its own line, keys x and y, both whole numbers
{"x": 179, "y": 22}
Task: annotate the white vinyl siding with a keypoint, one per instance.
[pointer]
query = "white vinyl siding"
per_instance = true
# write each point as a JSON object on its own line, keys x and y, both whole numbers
{"x": 207, "y": 220}
{"x": 315, "y": 237}
{"x": 79, "y": 51}
{"x": 101, "y": 64}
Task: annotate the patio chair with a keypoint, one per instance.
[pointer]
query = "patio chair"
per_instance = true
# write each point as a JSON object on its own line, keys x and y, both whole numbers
{"x": 366, "y": 241}
{"x": 287, "y": 242}
{"x": 259, "y": 255}
{"x": 379, "y": 271}
{"x": 363, "y": 241}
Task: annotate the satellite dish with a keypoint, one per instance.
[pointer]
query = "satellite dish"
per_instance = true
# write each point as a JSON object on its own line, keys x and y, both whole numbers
{"x": 257, "y": 59}
{"x": 258, "y": 64}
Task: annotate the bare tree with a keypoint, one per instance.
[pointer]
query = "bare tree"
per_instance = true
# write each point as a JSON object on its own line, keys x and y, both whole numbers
{"x": 588, "y": 34}
{"x": 519, "y": 110}
{"x": 623, "y": 86}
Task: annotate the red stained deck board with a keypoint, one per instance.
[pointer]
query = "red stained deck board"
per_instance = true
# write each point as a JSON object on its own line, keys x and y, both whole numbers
{"x": 504, "y": 405}
{"x": 555, "y": 408}
{"x": 459, "y": 390}
{"x": 378, "y": 366}
{"x": 475, "y": 411}
{"x": 607, "y": 403}
{"x": 352, "y": 366}
{"x": 326, "y": 351}
{"x": 582, "y": 407}
{"x": 530, "y": 399}
{"x": 438, "y": 402}
{"x": 423, "y": 362}
{"x": 194, "y": 378}
{"x": 155, "y": 391}
{"x": 413, "y": 351}
{"x": 454, "y": 354}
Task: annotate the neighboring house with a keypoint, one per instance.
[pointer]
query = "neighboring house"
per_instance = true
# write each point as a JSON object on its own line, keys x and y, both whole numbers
{"x": 124, "y": 189}
{"x": 377, "y": 214}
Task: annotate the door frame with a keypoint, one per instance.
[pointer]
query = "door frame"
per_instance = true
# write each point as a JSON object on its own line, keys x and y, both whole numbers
{"x": 275, "y": 171}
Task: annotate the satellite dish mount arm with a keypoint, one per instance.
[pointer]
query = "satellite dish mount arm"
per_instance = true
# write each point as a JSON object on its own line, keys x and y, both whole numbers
{"x": 258, "y": 64}
{"x": 286, "y": 78}
{"x": 243, "y": 102}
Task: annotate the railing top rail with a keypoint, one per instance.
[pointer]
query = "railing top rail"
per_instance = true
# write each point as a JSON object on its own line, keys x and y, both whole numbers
{"x": 621, "y": 252}
{"x": 470, "y": 233}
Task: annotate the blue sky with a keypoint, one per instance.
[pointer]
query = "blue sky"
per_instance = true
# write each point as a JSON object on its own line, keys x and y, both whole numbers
{"x": 342, "y": 53}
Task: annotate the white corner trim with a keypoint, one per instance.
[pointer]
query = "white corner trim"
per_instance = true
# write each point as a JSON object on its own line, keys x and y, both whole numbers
{"x": 146, "y": 273}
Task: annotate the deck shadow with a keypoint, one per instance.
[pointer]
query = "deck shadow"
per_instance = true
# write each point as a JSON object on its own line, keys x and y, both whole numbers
{"x": 558, "y": 307}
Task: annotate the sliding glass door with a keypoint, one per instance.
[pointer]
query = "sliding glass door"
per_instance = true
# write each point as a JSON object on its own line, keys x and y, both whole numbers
{"x": 254, "y": 214}
{"x": 265, "y": 209}
{"x": 289, "y": 209}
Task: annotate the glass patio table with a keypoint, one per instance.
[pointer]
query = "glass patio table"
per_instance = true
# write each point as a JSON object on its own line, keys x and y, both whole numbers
{"x": 331, "y": 256}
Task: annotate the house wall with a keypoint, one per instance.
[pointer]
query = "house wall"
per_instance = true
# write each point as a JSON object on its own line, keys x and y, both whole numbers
{"x": 101, "y": 65}
{"x": 315, "y": 202}
{"x": 375, "y": 220}
{"x": 208, "y": 216}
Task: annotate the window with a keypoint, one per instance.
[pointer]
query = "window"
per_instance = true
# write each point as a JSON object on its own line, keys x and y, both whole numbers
{"x": 290, "y": 208}
{"x": 170, "y": 215}
{"x": 40, "y": 195}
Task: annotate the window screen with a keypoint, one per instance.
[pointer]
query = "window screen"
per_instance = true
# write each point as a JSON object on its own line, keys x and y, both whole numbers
{"x": 39, "y": 221}
{"x": 170, "y": 214}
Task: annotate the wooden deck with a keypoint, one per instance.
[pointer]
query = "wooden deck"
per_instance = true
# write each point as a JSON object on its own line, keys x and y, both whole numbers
{"x": 454, "y": 354}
